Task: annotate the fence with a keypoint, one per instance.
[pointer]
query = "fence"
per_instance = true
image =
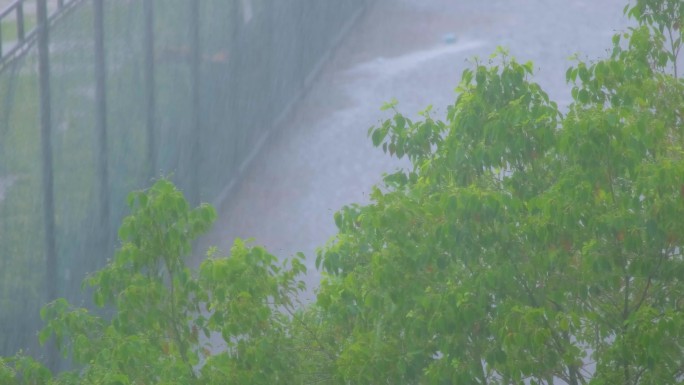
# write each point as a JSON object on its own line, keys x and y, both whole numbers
{"x": 113, "y": 93}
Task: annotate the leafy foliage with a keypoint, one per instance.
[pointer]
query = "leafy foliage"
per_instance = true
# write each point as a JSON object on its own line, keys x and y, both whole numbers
{"x": 165, "y": 316}
{"x": 523, "y": 245}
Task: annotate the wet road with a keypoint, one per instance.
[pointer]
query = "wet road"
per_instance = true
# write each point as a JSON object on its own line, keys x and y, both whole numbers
{"x": 321, "y": 159}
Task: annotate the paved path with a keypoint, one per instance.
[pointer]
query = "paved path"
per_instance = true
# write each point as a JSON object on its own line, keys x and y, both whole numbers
{"x": 321, "y": 158}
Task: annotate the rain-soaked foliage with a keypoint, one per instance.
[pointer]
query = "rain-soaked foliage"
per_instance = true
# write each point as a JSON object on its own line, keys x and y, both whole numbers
{"x": 521, "y": 245}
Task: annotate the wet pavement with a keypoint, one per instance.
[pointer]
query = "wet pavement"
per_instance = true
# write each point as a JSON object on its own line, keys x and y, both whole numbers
{"x": 320, "y": 158}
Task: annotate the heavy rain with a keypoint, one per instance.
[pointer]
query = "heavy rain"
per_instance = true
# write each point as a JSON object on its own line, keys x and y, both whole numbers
{"x": 260, "y": 108}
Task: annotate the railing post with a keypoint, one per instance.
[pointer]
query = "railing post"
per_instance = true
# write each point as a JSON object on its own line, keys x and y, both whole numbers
{"x": 101, "y": 156}
{"x": 20, "y": 22}
{"x": 51, "y": 273}
{"x": 150, "y": 96}
{"x": 196, "y": 52}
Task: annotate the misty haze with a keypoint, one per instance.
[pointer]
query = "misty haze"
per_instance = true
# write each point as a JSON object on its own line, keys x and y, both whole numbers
{"x": 490, "y": 191}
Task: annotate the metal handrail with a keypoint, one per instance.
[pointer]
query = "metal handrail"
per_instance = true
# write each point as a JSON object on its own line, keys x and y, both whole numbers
{"x": 25, "y": 38}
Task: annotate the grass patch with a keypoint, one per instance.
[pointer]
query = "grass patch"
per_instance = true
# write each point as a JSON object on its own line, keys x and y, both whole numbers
{"x": 9, "y": 31}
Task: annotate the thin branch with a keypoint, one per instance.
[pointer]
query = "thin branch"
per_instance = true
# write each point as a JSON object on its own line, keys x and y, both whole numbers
{"x": 182, "y": 348}
{"x": 313, "y": 334}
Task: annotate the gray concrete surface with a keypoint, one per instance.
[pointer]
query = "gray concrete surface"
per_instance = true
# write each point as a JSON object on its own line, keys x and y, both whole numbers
{"x": 321, "y": 158}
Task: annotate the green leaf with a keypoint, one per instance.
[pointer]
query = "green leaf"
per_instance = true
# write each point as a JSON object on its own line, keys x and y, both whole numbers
{"x": 583, "y": 96}
{"x": 389, "y": 105}
{"x": 378, "y": 136}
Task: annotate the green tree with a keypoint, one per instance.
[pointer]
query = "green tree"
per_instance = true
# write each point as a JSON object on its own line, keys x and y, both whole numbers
{"x": 164, "y": 317}
{"x": 524, "y": 244}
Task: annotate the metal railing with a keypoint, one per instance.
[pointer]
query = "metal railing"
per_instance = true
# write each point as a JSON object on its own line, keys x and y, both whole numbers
{"x": 22, "y": 13}
{"x": 124, "y": 92}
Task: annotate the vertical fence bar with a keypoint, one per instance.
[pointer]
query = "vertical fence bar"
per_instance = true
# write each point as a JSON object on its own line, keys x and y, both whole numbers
{"x": 196, "y": 161}
{"x": 234, "y": 20}
{"x": 150, "y": 96}
{"x": 300, "y": 53}
{"x": 101, "y": 124}
{"x": 51, "y": 273}
{"x": 20, "y": 22}
{"x": 271, "y": 68}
